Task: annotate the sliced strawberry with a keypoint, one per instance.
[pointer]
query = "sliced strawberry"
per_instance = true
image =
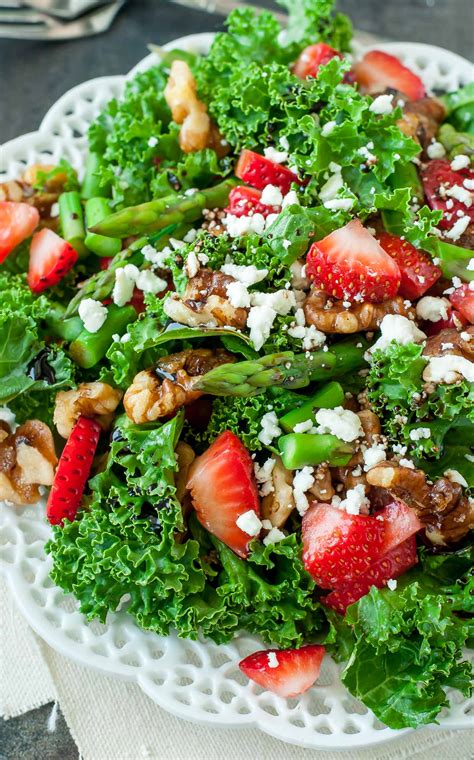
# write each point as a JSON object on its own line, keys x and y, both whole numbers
{"x": 50, "y": 259}
{"x": 246, "y": 200}
{"x": 312, "y": 57}
{"x": 438, "y": 177}
{"x": 286, "y": 672}
{"x": 418, "y": 273}
{"x": 455, "y": 319}
{"x": 338, "y": 547}
{"x": 393, "y": 564}
{"x": 73, "y": 471}
{"x": 400, "y": 524}
{"x": 105, "y": 262}
{"x": 463, "y": 300}
{"x": 259, "y": 172}
{"x": 350, "y": 262}
{"x": 378, "y": 71}
{"x": 17, "y": 222}
{"x": 223, "y": 487}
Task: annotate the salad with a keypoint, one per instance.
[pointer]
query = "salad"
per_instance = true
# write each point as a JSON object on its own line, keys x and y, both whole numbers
{"x": 240, "y": 352}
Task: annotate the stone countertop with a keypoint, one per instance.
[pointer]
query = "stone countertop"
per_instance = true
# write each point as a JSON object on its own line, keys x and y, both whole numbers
{"x": 37, "y": 73}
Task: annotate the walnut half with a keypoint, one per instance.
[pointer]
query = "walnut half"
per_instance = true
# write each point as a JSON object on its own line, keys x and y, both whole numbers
{"x": 27, "y": 460}
{"x": 98, "y": 400}
{"x": 332, "y": 316}
{"x": 205, "y": 302}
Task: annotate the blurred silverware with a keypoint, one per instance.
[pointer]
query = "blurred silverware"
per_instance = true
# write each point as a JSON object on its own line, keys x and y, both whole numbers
{"x": 67, "y": 9}
{"x": 19, "y": 22}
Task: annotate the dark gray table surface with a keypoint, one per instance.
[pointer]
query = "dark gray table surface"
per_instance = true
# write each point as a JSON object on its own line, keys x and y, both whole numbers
{"x": 32, "y": 77}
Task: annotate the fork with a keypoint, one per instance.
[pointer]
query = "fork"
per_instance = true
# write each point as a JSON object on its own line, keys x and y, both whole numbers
{"x": 18, "y": 22}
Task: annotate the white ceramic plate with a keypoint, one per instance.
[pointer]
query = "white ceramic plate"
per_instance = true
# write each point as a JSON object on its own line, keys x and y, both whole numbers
{"x": 197, "y": 681}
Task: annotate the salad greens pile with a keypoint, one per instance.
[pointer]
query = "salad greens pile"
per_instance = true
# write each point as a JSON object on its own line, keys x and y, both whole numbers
{"x": 170, "y": 220}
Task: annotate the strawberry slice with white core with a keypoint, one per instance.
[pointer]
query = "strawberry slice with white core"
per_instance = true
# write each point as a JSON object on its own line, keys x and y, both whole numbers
{"x": 400, "y": 523}
{"x": 258, "y": 171}
{"x": 378, "y": 71}
{"x": 338, "y": 547}
{"x": 286, "y": 672}
{"x": 393, "y": 564}
{"x": 50, "y": 259}
{"x": 17, "y": 222}
{"x": 223, "y": 488}
{"x": 244, "y": 201}
{"x": 350, "y": 263}
{"x": 463, "y": 300}
{"x": 73, "y": 471}
{"x": 445, "y": 191}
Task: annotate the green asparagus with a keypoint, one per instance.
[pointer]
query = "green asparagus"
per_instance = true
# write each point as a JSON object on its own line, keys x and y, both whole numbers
{"x": 71, "y": 219}
{"x": 89, "y": 348}
{"x": 456, "y": 142}
{"x": 96, "y": 210}
{"x": 345, "y": 357}
{"x": 174, "y": 209}
{"x": 299, "y": 450}
{"x": 91, "y": 185}
{"x": 327, "y": 397}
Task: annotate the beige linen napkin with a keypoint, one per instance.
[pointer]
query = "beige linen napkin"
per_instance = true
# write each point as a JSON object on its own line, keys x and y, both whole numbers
{"x": 113, "y": 720}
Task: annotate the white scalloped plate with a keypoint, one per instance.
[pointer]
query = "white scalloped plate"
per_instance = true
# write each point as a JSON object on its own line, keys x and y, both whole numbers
{"x": 197, "y": 681}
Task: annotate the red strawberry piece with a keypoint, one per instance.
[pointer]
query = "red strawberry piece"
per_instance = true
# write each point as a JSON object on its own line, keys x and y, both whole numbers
{"x": 286, "y": 672}
{"x": 350, "y": 262}
{"x": 378, "y": 71}
{"x": 463, "y": 300}
{"x": 418, "y": 273}
{"x": 258, "y": 171}
{"x": 246, "y": 200}
{"x": 338, "y": 547}
{"x": 105, "y": 262}
{"x": 223, "y": 487}
{"x": 50, "y": 259}
{"x": 73, "y": 471}
{"x": 400, "y": 524}
{"x": 455, "y": 319}
{"x": 17, "y": 222}
{"x": 312, "y": 57}
{"x": 393, "y": 564}
{"x": 438, "y": 177}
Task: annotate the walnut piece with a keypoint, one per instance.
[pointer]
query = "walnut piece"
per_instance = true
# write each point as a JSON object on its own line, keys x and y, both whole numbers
{"x": 98, "y": 400}
{"x": 205, "y": 302}
{"x": 331, "y": 316}
{"x": 27, "y": 460}
{"x": 448, "y": 343}
{"x": 322, "y": 488}
{"x": 421, "y": 119}
{"x": 278, "y": 505}
{"x": 161, "y": 390}
{"x": 446, "y": 514}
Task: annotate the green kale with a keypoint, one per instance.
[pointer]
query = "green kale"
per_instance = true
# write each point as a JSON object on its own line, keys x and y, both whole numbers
{"x": 404, "y": 647}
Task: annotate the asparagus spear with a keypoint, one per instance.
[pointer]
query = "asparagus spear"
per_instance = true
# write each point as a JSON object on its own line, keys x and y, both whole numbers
{"x": 456, "y": 142}
{"x": 89, "y": 348}
{"x": 91, "y": 185}
{"x": 327, "y": 397}
{"x": 71, "y": 220}
{"x": 302, "y": 449}
{"x": 96, "y": 210}
{"x": 154, "y": 215}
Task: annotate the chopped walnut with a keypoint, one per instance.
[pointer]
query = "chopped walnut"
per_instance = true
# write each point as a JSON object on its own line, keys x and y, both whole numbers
{"x": 161, "y": 390}
{"x": 331, "y": 316}
{"x": 446, "y": 514}
{"x": 421, "y": 119}
{"x": 205, "y": 302}
{"x": 322, "y": 488}
{"x": 98, "y": 400}
{"x": 278, "y": 505}
{"x": 448, "y": 343}
{"x": 27, "y": 460}
{"x": 185, "y": 456}
{"x": 23, "y": 191}
{"x": 197, "y": 131}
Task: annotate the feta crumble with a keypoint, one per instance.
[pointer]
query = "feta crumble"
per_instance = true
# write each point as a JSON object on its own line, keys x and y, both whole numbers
{"x": 373, "y": 456}
{"x": 446, "y": 369}
{"x": 277, "y": 156}
{"x": 260, "y": 321}
{"x": 460, "y": 162}
{"x": 248, "y": 275}
{"x": 382, "y": 105}
{"x": 392, "y": 584}
{"x": 460, "y": 194}
{"x": 249, "y": 523}
{"x": 396, "y": 328}
{"x": 270, "y": 428}
{"x": 355, "y": 501}
{"x": 273, "y": 536}
{"x": 93, "y": 314}
{"x": 271, "y": 196}
{"x": 418, "y": 433}
{"x": 302, "y": 482}
{"x": 436, "y": 150}
{"x": 272, "y": 660}
{"x": 238, "y": 295}
{"x": 343, "y": 204}
{"x": 123, "y": 287}
{"x": 150, "y": 283}
{"x": 340, "y": 422}
{"x": 455, "y": 477}
{"x": 432, "y": 308}
{"x": 458, "y": 228}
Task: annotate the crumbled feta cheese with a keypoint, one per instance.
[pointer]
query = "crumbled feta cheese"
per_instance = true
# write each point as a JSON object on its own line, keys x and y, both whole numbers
{"x": 304, "y": 427}
{"x": 277, "y": 156}
{"x": 290, "y": 199}
{"x": 313, "y": 338}
{"x": 340, "y": 422}
{"x": 470, "y": 265}
{"x": 373, "y": 456}
{"x": 446, "y": 346}
{"x": 238, "y": 295}
{"x": 6, "y": 415}
{"x": 93, "y": 314}
{"x": 446, "y": 369}
{"x": 302, "y": 482}
{"x": 455, "y": 477}
{"x": 263, "y": 476}
{"x": 260, "y": 321}
{"x": 281, "y": 301}
{"x": 396, "y": 328}
{"x": 365, "y": 153}
{"x": 407, "y": 463}
{"x": 399, "y": 449}
{"x": 248, "y": 275}
{"x": 436, "y": 150}
{"x": 460, "y": 194}
{"x": 267, "y": 524}
{"x": 466, "y": 336}
{"x": 297, "y": 332}
{"x": 192, "y": 264}
{"x": 123, "y": 287}
{"x": 152, "y": 142}
{"x": 271, "y": 196}
{"x": 355, "y": 501}
{"x": 392, "y": 584}
{"x": 418, "y": 433}
{"x": 125, "y": 338}
{"x": 249, "y": 523}
{"x": 331, "y": 188}
{"x": 54, "y": 211}
{"x": 157, "y": 258}
{"x": 177, "y": 244}
{"x": 190, "y": 236}
{"x": 382, "y": 105}
{"x": 432, "y": 308}
{"x": 242, "y": 225}
{"x": 328, "y": 128}
{"x": 458, "y": 228}
{"x": 150, "y": 283}
{"x": 270, "y": 428}
{"x": 460, "y": 162}
{"x": 272, "y": 660}
{"x": 273, "y": 537}
{"x": 468, "y": 184}
{"x": 343, "y": 204}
